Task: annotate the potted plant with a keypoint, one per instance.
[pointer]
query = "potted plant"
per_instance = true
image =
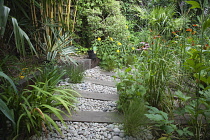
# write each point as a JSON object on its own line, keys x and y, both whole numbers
{"x": 92, "y": 51}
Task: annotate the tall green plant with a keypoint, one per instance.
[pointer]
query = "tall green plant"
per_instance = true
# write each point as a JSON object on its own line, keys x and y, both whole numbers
{"x": 134, "y": 118}
{"x": 129, "y": 88}
{"x": 157, "y": 67}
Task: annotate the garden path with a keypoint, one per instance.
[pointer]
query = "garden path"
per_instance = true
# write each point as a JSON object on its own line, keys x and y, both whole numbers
{"x": 96, "y": 117}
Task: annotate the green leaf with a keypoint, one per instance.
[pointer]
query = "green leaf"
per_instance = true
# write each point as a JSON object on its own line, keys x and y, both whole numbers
{"x": 28, "y": 113}
{"x": 128, "y": 69}
{"x": 50, "y": 120}
{"x": 190, "y": 62}
{"x": 18, "y": 122}
{"x": 9, "y": 79}
{"x": 164, "y": 138}
{"x": 180, "y": 132}
{"x": 187, "y": 132}
{"x": 7, "y": 112}
{"x": 64, "y": 103}
{"x": 154, "y": 117}
{"x": 3, "y": 18}
{"x": 206, "y": 24}
{"x": 20, "y": 35}
{"x": 181, "y": 96}
{"x": 55, "y": 111}
{"x": 194, "y": 4}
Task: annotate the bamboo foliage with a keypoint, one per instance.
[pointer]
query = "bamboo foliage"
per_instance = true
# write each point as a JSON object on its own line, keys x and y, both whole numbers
{"x": 59, "y": 12}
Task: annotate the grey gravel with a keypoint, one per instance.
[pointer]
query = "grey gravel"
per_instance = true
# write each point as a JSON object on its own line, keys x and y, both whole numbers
{"x": 86, "y": 86}
{"x": 96, "y": 73}
{"x": 96, "y": 105}
{"x": 87, "y": 131}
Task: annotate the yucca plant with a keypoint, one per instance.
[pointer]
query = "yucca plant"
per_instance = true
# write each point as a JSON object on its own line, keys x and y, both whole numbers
{"x": 56, "y": 43}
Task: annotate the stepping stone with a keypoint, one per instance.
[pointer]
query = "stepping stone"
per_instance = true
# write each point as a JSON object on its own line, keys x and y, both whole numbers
{"x": 93, "y": 116}
{"x": 98, "y": 96}
{"x": 100, "y": 82}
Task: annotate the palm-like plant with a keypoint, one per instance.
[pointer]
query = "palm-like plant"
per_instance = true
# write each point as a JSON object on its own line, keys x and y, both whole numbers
{"x": 162, "y": 19}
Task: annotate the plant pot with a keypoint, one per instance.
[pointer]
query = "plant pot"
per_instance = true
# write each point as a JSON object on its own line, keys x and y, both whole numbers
{"x": 91, "y": 54}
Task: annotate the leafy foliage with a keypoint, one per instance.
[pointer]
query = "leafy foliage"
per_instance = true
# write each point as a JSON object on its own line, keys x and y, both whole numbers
{"x": 33, "y": 107}
{"x": 101, "y": 19}
{"x": 162, "y": 121}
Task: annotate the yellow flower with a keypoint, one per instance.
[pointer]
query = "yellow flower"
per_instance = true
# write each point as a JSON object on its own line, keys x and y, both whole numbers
{"x": 133, "y": 48}
{"x": 118, "y": 51}
{"x": 24, "y": 69}
{"x": 126, "y": 26}
{"x": 111, "y": 39}
{"x": 21, "y": 77}
{"x": 193, "y": 32}
{"x": 119, "y": 43}
{"x": 99, "y": 39}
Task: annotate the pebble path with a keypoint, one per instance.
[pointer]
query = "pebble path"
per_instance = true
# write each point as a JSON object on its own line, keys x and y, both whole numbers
{"x": 92, "y": 130}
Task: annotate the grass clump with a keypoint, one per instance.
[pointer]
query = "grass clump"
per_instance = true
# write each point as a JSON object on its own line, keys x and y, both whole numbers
{"x": 75, "y": 73}
{"x": 134, "y": 119}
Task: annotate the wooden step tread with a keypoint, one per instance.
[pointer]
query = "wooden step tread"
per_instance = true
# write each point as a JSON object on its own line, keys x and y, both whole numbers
{"x": 98, "y": 96}
{"x": 93, "y": 116}
{"x": 100, "y": 82}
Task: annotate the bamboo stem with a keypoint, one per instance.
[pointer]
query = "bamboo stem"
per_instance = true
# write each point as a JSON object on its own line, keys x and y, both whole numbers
{"x": 74, "y": 20}
{"x": 68, "y": 15}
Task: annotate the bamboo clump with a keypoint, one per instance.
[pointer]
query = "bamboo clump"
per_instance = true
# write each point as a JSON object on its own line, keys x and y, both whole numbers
{"x": 59, "y": 14}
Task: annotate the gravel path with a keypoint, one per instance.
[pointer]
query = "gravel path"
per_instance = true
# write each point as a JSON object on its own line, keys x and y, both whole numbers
{"x": 91, "y": 130}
